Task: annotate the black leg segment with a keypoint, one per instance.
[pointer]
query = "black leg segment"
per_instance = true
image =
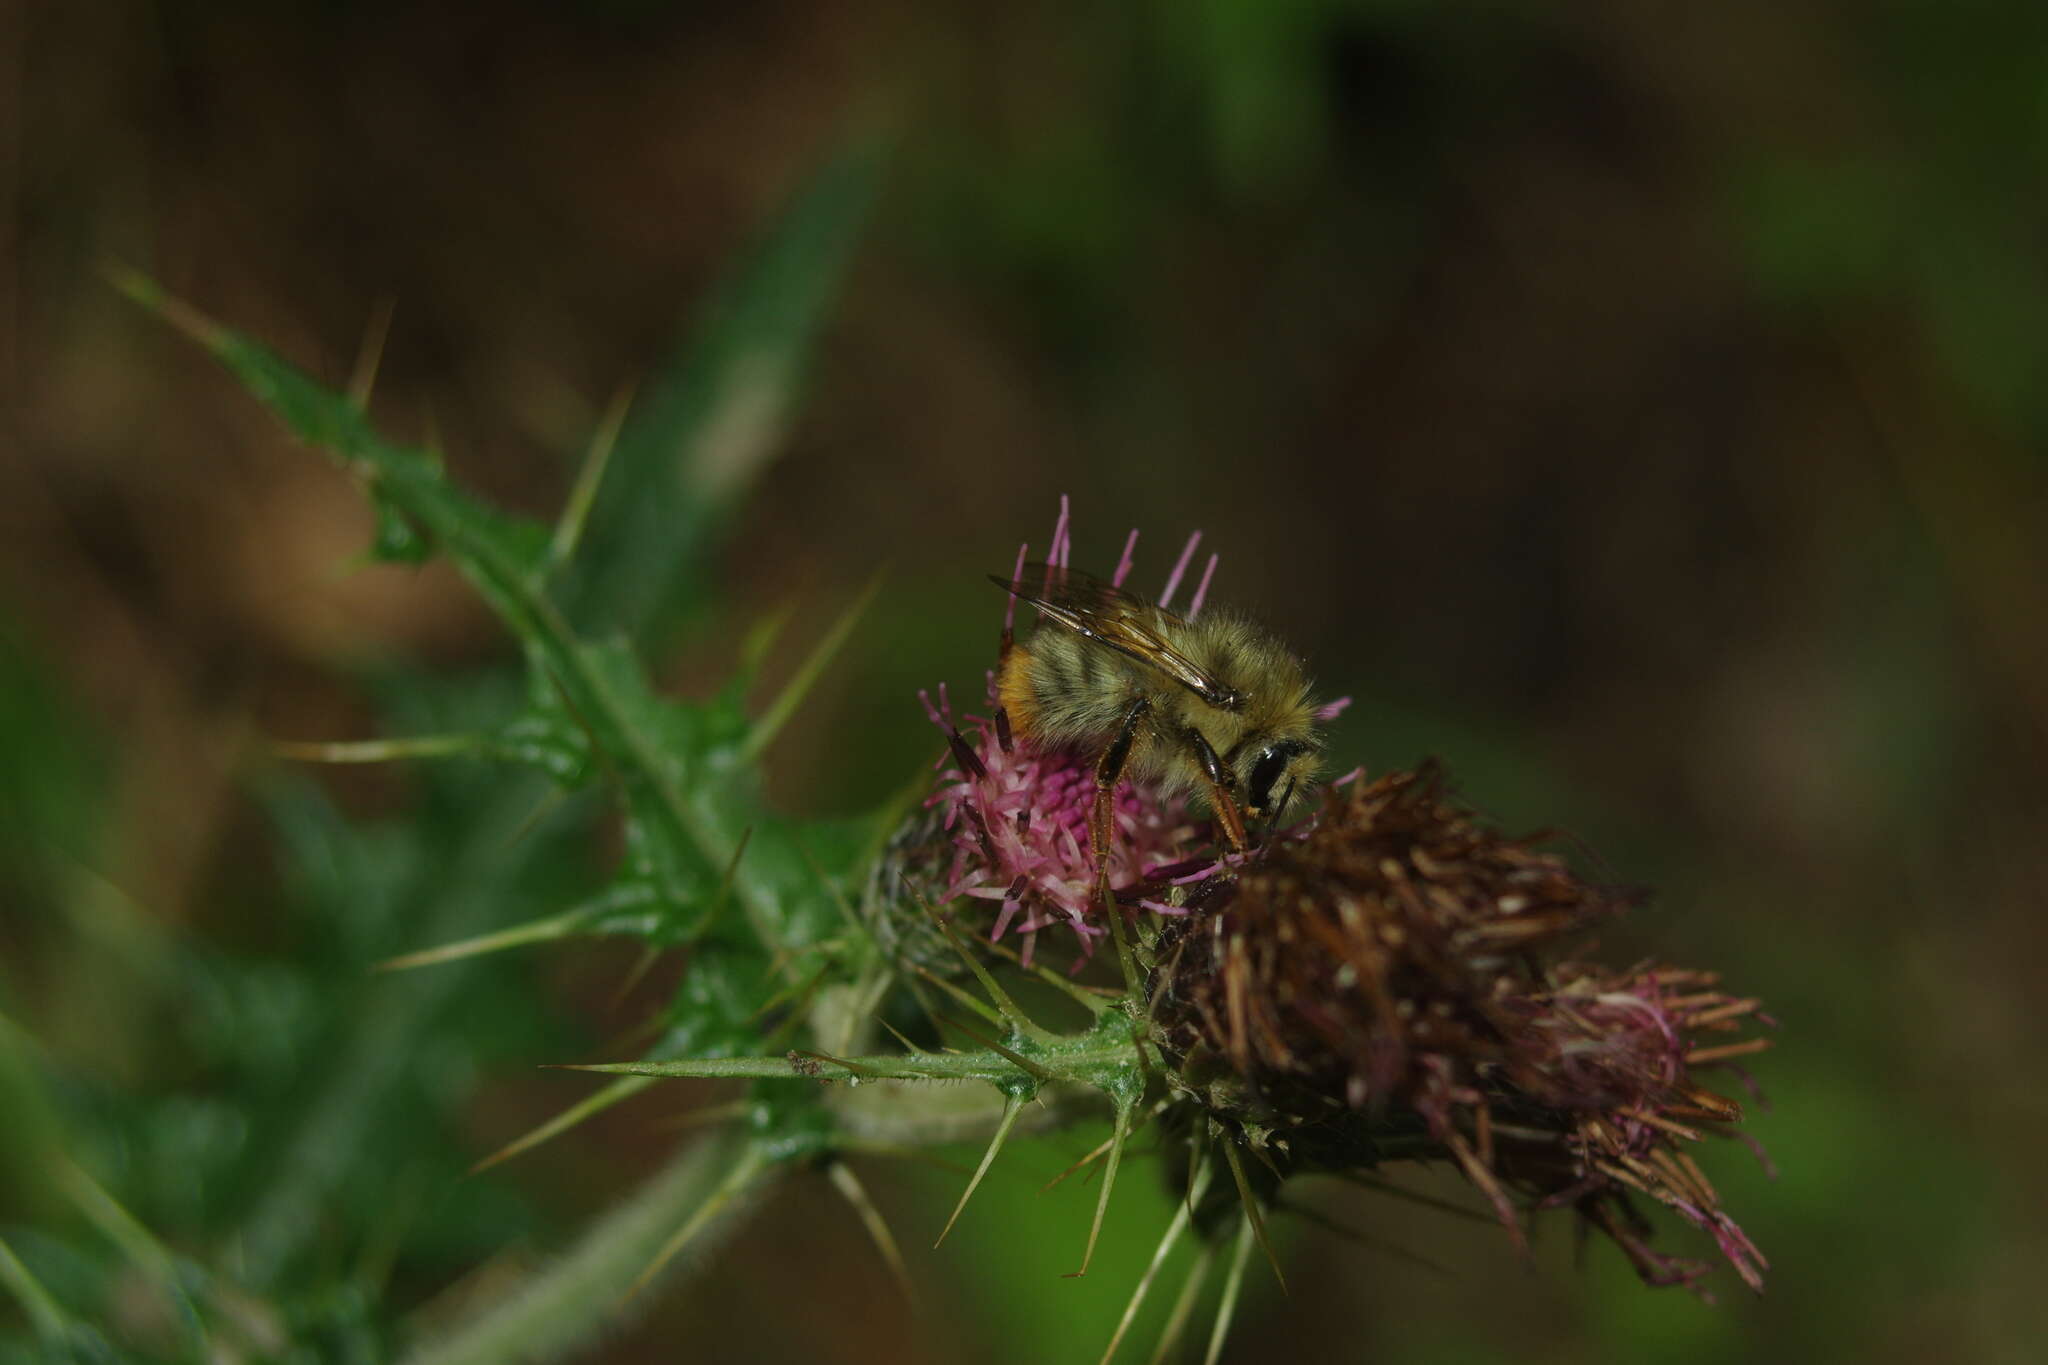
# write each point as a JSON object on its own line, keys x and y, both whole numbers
{"x": 1219, "y": 790}
{"x": 1109, "y": 770}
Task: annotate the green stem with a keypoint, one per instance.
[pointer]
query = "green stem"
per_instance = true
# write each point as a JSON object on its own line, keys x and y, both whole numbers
{"x": 554, "y": 1311}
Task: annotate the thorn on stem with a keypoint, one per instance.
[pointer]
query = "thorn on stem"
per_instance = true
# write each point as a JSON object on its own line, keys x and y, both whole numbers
{"x": 1118, "y": 1139}
{"x": 1011, "y": 1108}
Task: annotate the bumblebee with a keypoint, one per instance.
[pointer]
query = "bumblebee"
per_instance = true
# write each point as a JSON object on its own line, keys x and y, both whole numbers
{"x": 1214, "y": 706}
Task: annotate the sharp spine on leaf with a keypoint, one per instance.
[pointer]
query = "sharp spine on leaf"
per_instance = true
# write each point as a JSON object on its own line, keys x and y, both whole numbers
{"x": 1181, "y": 1218}
{"x": 897, "y": 1034}
{"x": 1016, "y": 1059}
{"x": 625, "y": 1087}
{"x": 1126, "y": 1105}
{"x": 1252, "y": 1215}
{"x": 1095, "y": 999}
{"x": 1012, "y": 1106}
{"x": 542, "y": 930}
{"x": 1099, "y": 1149}
{"x": 1019, "y": 1022}
{"x": 848, "y": 1184}
{"x": 1184, "y": 1305}
{"x": 975, "y": 1003}
{"x": 379, "y": 750}
{"x": 806, "y": 676}
{"x": 371, "y": 354}
{"x": 1233, "y": 1283}
{"x": 737, "y": 1179}
{"x": 583, "y": 493}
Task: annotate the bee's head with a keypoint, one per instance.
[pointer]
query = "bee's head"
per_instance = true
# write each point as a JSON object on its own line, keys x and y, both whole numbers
{"x": 1272, "y": 775}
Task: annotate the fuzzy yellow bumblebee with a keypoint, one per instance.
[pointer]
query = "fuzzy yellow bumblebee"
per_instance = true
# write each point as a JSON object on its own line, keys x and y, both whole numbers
{"x": 1214, "y": 706}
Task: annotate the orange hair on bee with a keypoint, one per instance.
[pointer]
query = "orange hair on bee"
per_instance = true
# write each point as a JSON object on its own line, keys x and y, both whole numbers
{"x": 1015, "y": 692}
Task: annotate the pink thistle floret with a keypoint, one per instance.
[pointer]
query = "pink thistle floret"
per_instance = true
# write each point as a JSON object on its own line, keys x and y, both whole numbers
{"x": 1616, "y": 1051}
{"x": 1017, "y": 824}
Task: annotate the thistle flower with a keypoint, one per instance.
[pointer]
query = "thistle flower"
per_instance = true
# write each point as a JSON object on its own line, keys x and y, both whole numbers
{"x": 1015, "y": 826}
{"x": 1388, "y": 985}
{"x": 1386, "y": 981}
{"x": 1012, "y": 823}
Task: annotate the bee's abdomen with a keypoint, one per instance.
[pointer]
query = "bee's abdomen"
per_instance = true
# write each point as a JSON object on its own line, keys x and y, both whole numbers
{"x": 1072, "y": 691}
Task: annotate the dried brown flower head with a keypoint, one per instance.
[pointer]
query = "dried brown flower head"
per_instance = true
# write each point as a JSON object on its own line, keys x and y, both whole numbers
{"x": 1392, "y": 984}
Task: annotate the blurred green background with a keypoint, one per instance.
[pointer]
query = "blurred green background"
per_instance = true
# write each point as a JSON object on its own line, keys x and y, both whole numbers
{"x": 1641, "y": 407}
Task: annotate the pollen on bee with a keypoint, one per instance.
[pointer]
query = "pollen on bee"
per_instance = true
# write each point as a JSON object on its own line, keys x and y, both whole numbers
{"x": 1014, "y": 691}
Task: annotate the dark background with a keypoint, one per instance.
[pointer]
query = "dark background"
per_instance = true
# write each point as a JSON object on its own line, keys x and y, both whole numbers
{"x": 1641, "y": 407}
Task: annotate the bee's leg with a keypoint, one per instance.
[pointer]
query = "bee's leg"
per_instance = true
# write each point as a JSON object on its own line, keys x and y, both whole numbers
{"x": 1219, "y": 792}
{"x": 1109, "y": 770}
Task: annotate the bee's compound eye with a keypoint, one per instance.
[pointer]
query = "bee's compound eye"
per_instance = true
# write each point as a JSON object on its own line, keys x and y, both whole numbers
{"x": 1266, "y": 771}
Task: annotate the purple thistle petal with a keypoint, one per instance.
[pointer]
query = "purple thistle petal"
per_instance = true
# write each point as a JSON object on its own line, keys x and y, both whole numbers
{"x": 1756, "y": 1149}
{"x": 1202, "y": 589}
{"x": 1180, "y": 567}
{"x": 1016, "y": 825}
{"x": 1011, "y": 905}
{"x": 1062, "y": 536}
{"x": 1016, "y": 581}
{"x": 1123, "y": 565}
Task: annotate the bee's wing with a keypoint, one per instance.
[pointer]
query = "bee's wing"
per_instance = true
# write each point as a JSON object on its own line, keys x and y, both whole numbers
{"x": 1117, "y": 620}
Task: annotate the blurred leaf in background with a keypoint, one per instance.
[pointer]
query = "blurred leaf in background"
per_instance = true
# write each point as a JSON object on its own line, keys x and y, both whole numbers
{"x": 302, "y": 1113}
